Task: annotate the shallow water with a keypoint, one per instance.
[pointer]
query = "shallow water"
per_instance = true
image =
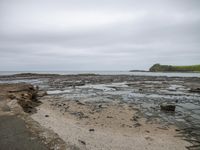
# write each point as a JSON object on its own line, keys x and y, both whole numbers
{"x": 172, "y": 74}
{"x": 31, "y": 81}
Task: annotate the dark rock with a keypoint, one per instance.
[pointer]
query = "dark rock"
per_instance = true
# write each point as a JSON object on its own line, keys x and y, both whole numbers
{"x": 100, "y": 106}
{"x": 82, "y": 142}
{"x": 109, "y": 117}
{"x": 79, "y": 103}
{"x": 137, "y": 125}
{"x": 46, "y": 115}
{"x": 91, "y": 130}
{"x": 168, "y": 107}
{"x": 134, "y": 118}
{"x": 147, "y": 131}
{"x": 195, "y": 90}
{"x": 140, "y": 90}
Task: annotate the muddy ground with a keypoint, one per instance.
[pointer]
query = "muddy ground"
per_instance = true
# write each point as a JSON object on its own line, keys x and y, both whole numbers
{"x": 117, "y": 112}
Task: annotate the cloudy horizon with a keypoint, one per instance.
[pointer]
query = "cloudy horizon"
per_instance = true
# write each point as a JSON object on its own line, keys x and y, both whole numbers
{"x": 98, "y": 35}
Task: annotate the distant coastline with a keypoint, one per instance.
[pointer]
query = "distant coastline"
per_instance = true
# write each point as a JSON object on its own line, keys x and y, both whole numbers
{"x": 170, "y": 68}
{"x": 139, "y": 71}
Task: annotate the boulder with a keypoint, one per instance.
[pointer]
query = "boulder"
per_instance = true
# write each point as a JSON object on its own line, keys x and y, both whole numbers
{"x": 168, "y": 107}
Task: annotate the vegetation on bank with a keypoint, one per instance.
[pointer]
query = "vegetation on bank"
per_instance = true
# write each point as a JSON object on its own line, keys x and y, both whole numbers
{"x": 170, "y": 68}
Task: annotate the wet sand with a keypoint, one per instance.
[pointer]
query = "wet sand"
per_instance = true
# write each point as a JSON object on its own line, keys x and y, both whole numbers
{"x": 117, "y": 112}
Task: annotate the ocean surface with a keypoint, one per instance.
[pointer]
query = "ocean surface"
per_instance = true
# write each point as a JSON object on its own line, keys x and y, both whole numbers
{"x": 174, "y": 74}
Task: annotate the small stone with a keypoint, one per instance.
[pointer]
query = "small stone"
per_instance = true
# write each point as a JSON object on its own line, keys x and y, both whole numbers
{"x": 46, "y": 115}
{"x": 82, "y": 142}
{"x": 91, "y": 130}
{"x": 100, "y": 106}
{"x": 147, "y": 131}
{"x": 137, "y": 125}
{"x": 109, "y": 117}
{"x": 79, "y": 103}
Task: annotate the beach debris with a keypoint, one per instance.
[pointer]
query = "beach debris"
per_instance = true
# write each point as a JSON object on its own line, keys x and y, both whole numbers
{"x": 168, "y": 106}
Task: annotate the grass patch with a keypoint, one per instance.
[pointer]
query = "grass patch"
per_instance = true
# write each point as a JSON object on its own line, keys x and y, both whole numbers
{"x": 170, "y": 68}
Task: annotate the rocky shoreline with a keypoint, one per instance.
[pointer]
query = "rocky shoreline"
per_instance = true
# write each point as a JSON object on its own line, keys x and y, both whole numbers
{"x": 91, "y": 111}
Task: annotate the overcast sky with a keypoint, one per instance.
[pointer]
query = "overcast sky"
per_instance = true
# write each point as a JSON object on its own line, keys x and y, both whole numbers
{"x": 42, "y": 35}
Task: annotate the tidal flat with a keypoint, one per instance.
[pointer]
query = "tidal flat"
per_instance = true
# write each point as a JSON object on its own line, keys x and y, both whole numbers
{"x": 93, "y": 112}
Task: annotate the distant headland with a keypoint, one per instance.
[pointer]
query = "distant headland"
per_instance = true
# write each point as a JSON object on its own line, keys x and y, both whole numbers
{"x": 170, "y": 68}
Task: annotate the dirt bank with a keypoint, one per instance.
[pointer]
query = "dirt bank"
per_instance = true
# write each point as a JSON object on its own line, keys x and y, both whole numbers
{"x": 17, "y": 129}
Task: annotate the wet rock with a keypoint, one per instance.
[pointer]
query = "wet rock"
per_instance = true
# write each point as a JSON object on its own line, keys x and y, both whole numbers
{"x": 140, "y": 89}
{"x": 100, "y": 106}
{"x": 168, "y": 107}
{"x": 72, "y": 83}
{"x": 195, "y": 90}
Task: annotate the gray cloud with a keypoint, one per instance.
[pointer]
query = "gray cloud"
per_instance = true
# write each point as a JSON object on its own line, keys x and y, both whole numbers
{"x": 98, "y": 35}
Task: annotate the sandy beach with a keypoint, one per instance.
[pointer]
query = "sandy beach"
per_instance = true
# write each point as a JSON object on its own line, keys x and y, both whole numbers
{"x": 114, "y": 126}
